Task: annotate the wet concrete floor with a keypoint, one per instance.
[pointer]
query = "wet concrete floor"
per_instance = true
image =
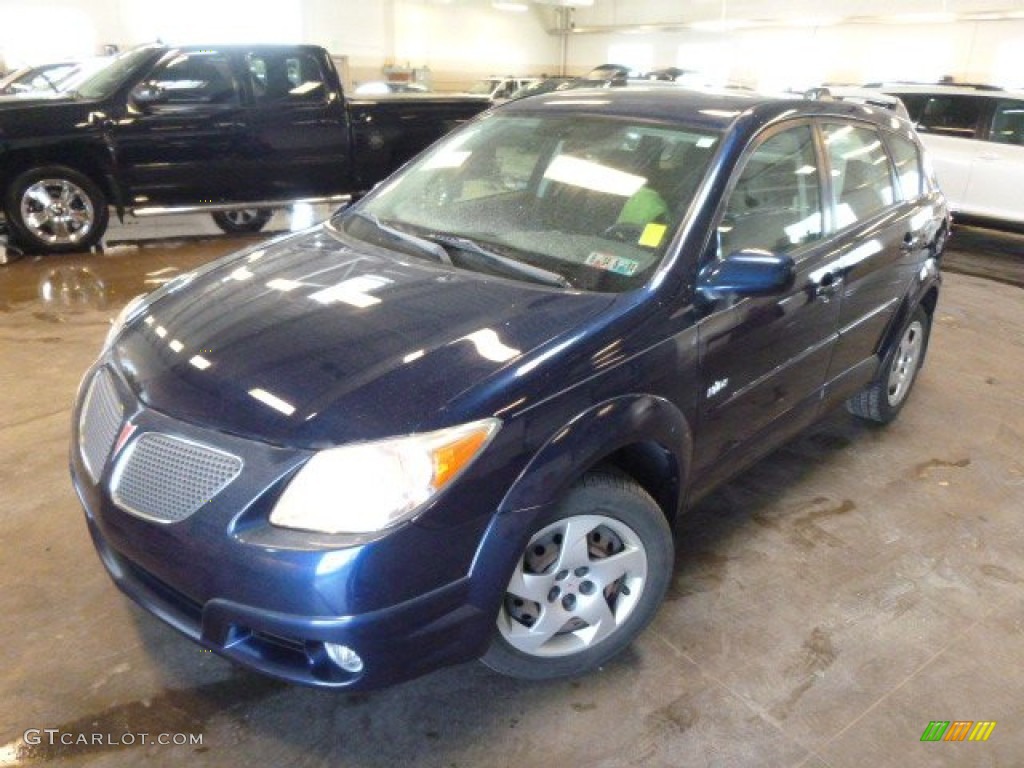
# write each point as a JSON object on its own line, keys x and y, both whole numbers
{"x": 827, "y": 605}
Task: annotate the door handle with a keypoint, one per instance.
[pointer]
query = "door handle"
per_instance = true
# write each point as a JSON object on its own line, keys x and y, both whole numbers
{"x": 912, "y": 242}
{"x": 828, "y": 286}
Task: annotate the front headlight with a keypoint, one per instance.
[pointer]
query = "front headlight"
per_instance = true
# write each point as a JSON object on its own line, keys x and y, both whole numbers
{"x": 122, "y": 319}
{"x": 372, "y": 486}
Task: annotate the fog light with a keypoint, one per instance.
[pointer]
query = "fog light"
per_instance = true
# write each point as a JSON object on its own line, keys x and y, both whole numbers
{"x": 344, "y": 657}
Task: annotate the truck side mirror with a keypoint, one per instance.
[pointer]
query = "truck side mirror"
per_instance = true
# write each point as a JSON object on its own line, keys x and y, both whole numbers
{"x": 147, "y": 94}
{"x": 749, "y": 272}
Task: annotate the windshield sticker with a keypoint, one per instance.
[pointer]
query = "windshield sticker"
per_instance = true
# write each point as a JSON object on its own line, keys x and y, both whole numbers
{"x": 652, "y": 235}
{"x": 611, "y": 263}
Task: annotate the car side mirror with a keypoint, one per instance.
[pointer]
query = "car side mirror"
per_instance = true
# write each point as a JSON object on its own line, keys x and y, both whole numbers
{"x": 146, "y": 94}
{"x": 749, "y": 272}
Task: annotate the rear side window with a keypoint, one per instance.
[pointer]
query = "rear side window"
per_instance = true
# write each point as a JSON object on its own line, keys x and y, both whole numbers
{"x": 950, "y": 116}
{"x": 286, "y": 78}
{"x": 862, "y": 179}
{"x": 907, "y": 160}
{"x": 776, "y": 203}
{"x": 1008, "y": 123}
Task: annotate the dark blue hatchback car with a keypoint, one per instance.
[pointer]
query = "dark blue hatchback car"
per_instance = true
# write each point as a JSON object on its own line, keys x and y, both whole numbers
{"x": 459, "y": 419}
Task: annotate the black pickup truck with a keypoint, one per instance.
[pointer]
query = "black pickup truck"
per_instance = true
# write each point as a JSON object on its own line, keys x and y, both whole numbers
{"x": 233, "y": 130}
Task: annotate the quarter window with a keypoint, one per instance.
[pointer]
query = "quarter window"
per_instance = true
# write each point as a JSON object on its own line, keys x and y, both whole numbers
{"x": 907, "y": 160}
{"x": 776, "y": 203}
{"x": 1008, "y": 123}
{"x": 861, "y": 173}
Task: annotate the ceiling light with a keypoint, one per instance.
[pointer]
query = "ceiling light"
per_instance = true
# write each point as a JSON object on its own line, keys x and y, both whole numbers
{"x": 517, "y": 7}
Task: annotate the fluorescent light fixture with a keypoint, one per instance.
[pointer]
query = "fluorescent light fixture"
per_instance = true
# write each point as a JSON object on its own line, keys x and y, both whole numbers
{"x": 200, "y": 362}
{"x": 515, "y": 7}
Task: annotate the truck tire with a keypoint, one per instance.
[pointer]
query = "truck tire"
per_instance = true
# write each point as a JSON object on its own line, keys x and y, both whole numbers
{"x": 55, "y": 209}
{"x": 242, "y": 221}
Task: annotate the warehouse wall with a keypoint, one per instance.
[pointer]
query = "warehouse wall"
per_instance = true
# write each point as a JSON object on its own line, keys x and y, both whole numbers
{"x": 460, "y": 40}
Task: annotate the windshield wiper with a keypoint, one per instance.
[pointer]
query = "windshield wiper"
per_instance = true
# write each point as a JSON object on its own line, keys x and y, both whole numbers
{"x": 421, "y": 244}
{"x": 522, "y": 269}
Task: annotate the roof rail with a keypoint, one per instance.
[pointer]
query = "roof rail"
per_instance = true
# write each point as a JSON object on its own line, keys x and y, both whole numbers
{"x": 948, "y": 83}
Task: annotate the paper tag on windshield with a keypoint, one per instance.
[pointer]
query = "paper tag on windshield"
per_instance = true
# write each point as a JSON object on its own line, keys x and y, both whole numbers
{"x": 611, "y": 263}
{"x": 652, "y": 235}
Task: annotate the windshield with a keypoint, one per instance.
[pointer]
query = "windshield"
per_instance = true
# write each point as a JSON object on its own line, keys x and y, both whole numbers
{"x": 574, "y": 200}
{"x": 105, "y": 81}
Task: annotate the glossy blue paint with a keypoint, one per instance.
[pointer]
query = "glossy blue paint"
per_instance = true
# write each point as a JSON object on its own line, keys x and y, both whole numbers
{"x": 315, "y": 340}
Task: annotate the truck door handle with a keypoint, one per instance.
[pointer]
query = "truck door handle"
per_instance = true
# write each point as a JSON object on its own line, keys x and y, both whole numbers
{"x": 828, "y": 286}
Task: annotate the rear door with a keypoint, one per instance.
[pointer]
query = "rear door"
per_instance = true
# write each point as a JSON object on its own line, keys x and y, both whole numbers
{"x": 298, "y": 144}
{"x": 764, "y": 360}
{"x": 881, "y": 236}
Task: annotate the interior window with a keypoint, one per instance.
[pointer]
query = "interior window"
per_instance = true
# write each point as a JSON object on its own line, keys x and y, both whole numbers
{"x": 776, "y": 203}
{"x": 198, "y": 77}
{"x": 907, "y": 160}
{"x": 285, "y": 78}
{"x": 950, "y": 116}
{"x": 861, "y": 172}
{"x": 1008, "y": 123}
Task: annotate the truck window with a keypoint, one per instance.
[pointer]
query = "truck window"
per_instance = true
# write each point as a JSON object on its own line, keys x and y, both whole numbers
{"x": 288, "y": 78}
{"x": 956, "y": 116}
{"x": 195, "y": 77}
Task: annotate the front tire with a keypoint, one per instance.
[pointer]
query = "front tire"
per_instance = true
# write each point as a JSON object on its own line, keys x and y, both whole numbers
{"x": 883, "y": 399}
{"x": 243, "y": 221}
{"x": 589, "y": 580}
{"x": 55, "y": 209}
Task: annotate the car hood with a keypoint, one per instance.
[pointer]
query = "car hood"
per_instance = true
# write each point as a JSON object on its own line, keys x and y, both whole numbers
{"x": 308, "y": 342}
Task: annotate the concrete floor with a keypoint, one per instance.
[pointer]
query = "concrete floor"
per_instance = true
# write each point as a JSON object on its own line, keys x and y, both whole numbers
{"x": 826, "y": 606}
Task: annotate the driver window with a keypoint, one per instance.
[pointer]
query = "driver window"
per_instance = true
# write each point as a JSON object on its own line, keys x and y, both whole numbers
{"x": 198, "y": 77}
{"x": 776, "y": 203}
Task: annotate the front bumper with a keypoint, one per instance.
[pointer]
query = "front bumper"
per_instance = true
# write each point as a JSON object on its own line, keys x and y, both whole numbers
{"x": 272, "y": 600}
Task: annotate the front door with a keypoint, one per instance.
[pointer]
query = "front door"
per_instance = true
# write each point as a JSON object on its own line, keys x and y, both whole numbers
{"x": 764, "y": 360}
{"x": 179, "y": 139}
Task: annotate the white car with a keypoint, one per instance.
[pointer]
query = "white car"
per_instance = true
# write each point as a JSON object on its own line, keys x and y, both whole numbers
{"x": 975, "y": 137}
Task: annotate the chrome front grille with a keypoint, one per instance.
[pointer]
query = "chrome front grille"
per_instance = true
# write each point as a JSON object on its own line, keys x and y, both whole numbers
{"x": 99, "y": 423}
{"x": 167, "y": 479}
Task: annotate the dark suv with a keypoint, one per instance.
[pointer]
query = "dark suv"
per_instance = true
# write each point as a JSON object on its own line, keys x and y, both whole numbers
{"x": 460, "y": 418}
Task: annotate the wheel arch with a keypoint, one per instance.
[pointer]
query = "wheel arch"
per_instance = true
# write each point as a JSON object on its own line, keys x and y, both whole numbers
{"x": 88, "y": 161}
{"x": 643, "y": 436}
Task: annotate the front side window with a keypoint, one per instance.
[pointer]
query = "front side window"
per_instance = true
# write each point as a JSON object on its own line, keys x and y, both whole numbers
{"x": 862, "y": 182}
{"x": 776, "y": 202}
{"x": 198, "y": 77}
{"x": 1008, "y": 123}
{"x": 593, "y": 201}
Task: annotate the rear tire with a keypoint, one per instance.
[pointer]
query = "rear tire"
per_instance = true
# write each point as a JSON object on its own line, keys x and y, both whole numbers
{"x": 244, "y": 221}
{"x": 883, "y": 399}
{"x": 591, "y": 577}
{"x": 55, "y": 209}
